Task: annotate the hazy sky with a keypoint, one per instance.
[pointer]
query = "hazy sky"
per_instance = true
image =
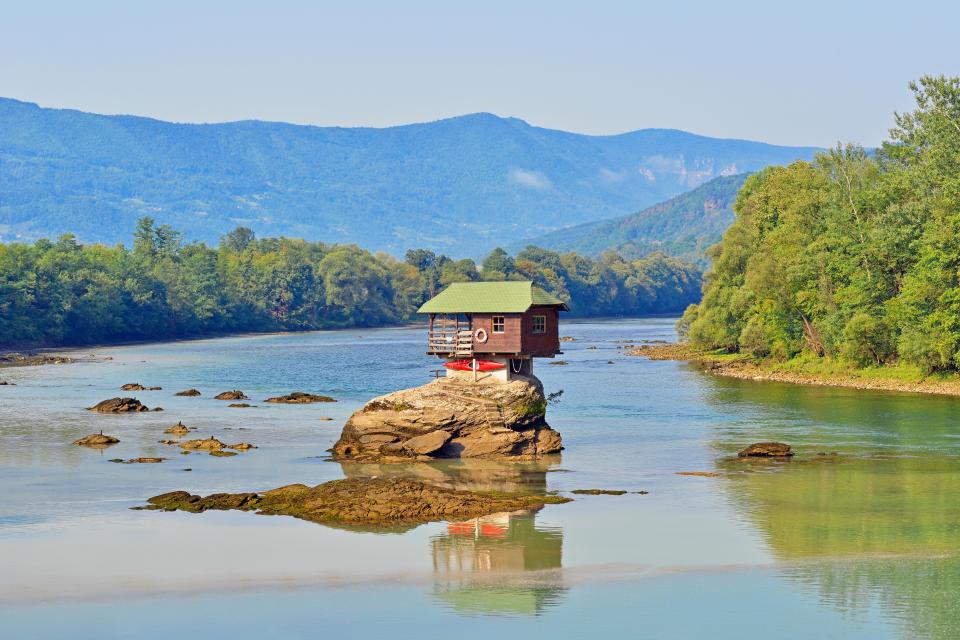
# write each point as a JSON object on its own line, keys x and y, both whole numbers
{"x": 806, "y": 72}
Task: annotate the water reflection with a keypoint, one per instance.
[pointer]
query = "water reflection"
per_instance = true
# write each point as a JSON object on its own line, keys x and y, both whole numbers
{"x": 469, "y": 556}
{"x": 502, "y": 563}
{"x": 863, "y": 532}
{"x": 507, "y": 476}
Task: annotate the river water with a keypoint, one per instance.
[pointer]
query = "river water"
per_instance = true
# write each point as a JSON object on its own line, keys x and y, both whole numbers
{"x": 859, "y": 543}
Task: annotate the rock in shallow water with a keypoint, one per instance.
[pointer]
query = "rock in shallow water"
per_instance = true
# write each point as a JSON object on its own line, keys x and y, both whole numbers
{"x": 357, "y": 501}
{"x": 766, "y": 450}
{"x": 214, "y": 446}
{"x": 188, "y": 393}
{"x": 599, "y": 492}
{"x": 299, "y": 397}
{"x": 450, "y": 418}
{"x": 97, "y": 440}
{"x": 119, "y": 405}
{"x": 236, "y": 394}
{"x": 178, "y": 429}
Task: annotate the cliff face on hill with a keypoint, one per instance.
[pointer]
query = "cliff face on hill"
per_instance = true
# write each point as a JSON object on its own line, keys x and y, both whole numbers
{"x": 449, "y": 418}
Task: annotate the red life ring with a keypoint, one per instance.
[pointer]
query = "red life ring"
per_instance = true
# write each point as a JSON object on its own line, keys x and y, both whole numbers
{"x": 480, "y": 335}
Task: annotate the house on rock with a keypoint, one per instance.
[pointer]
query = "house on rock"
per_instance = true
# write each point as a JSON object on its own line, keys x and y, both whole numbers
{"x": 493, "y": 330}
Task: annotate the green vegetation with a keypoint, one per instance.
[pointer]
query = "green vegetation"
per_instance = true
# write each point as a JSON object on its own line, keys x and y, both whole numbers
{"x": 66, "y": 293}
{"x": 683, "y": 226}
{"x": 853, "y": 258}
{"x": 532, "y": 408}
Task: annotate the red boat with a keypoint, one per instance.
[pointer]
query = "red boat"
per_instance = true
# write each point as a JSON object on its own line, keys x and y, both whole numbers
{"x": 467, "y": 365}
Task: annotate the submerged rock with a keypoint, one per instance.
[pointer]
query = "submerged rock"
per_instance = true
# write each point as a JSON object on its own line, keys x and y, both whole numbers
{"x": 136, "y": 386}
{"x": 358, "y": 501}
{"x": 240, "y": 405}
{"x": 139, "y": 460}
{"x": 6, "y": 383}
{"x": 97, "y": 440}
{"x": 450, "y": 418}
{"x": 299, "y": 397}
{"x": 599, "y": 492}
{"x": 222, "y": 454}
{"x": 231, "y": 395}
{"x": 119, "y": 405}
{"x": 766, "y": 450}
{"x": 188, "y": 393}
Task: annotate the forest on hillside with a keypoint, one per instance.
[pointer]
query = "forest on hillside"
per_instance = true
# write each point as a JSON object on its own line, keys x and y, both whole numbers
{"x": 68, "y": 293}
{"x": 854, "y": 257}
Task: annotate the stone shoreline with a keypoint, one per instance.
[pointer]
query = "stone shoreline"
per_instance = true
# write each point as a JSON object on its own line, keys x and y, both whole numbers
{"x": 745, "y": 369}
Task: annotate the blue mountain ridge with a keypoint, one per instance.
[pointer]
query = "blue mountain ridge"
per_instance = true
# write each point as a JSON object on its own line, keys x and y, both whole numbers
{"x": 461, "y": 185}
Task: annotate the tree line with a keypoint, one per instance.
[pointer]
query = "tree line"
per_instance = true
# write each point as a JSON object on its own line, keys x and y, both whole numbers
{"x": 68, "y": 293}
{"x": 854, "y": 257}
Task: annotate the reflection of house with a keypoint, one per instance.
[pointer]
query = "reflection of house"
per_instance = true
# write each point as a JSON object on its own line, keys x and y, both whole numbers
{"x": 475, "y": 551}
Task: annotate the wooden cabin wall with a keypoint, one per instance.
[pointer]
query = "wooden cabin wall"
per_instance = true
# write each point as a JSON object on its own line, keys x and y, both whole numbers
{"x": 541, "y": 344}
{"x": 509, "y": 341}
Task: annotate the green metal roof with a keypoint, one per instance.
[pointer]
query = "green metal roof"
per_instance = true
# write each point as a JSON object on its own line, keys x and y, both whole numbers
{"x": 489, "y": 297}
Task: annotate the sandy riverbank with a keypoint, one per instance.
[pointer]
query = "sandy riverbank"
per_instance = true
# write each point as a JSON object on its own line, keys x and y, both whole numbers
{"x": 748, "y": 369}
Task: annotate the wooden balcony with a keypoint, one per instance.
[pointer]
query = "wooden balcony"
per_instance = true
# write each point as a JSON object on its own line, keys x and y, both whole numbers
{"x": 450, "y": 337}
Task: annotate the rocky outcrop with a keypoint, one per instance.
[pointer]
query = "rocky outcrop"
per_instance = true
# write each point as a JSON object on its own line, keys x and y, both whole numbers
{"x": 358, "y": 501}
{"x": 6, "y": 383}
{"x": 188, "y": 393}
{"x": 766, "y": 450}
{"x": 96, "y": 440}
{"x": 136, "y": 386}
{"x": 119, "y": 405}
{"x": 450, "y": 418}
{"x": 231, "y": 395}
{"x": 299, "y": 397}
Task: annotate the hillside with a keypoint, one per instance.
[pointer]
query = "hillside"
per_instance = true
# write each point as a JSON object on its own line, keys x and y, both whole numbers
{"x": 683, "y": 226}
{"x": 458, "y": 185}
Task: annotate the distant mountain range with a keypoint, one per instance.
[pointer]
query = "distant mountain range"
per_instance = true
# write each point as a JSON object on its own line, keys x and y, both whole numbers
{"x": 683, "y": 226}
{"x": 461, "y": 185}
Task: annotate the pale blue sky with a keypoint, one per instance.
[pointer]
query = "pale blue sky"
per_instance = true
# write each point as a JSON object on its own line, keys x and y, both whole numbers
{"x": 807, "y": 72}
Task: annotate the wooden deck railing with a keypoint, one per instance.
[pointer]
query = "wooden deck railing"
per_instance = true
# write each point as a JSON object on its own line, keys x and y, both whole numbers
{"x": 453, "y": 341}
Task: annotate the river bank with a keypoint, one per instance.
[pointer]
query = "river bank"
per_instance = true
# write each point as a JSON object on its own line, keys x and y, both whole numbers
{"x": 801, "y": 372}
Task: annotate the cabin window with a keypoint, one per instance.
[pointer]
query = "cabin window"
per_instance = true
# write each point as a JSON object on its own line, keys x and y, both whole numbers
{"x": 539, "y": 324}
{"x": 498, "y": 324}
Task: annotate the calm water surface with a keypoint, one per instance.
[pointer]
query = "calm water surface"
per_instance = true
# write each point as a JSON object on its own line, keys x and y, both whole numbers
{"x": 859, "y": 543}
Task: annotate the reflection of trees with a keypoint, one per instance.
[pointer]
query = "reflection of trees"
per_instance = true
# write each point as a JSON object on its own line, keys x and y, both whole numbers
{"x": 876, "y": 530}
{"x": 501, "y": 563}
{"x": 831, "y": 418}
